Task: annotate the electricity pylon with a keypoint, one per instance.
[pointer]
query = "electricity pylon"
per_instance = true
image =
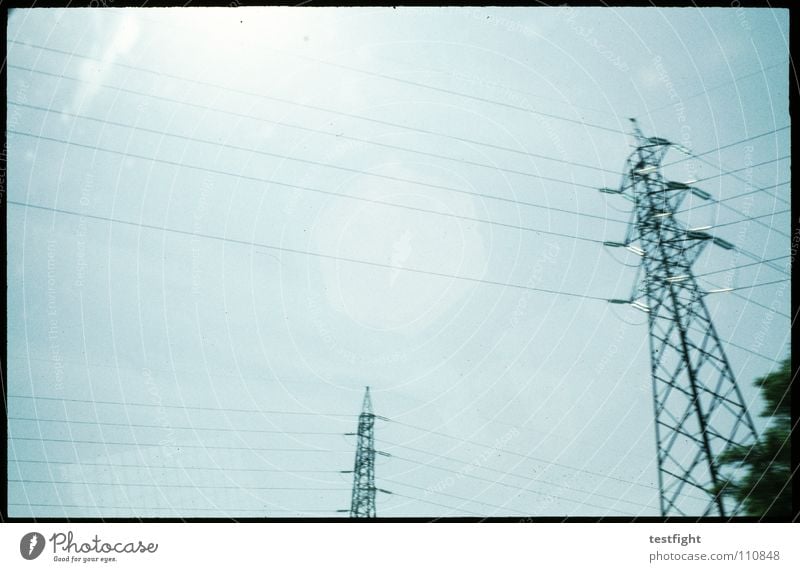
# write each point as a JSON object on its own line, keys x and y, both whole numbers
{"x": 699, "y": 411}
{"x": 362, "y": 504}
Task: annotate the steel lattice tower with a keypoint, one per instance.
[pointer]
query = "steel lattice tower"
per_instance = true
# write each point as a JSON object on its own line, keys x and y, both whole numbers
{"x": 363, "y": 500}
{"x": 699, "y": 409}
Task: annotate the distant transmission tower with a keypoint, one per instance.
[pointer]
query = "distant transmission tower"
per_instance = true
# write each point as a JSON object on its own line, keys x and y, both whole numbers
{"x": 699, "y": 410}
{"x": 362, "y": 504}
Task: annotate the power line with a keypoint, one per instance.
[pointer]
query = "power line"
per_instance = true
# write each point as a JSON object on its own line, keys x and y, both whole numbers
{"x": 211, "y": 374}
{"x": 754, "y": 257}
{"x": 522, "y": 455}
{"x": 308, "y": 161}
{"x": 169, "y": 508}
{"x": 418, "y": 68}
{"x": 430, "y": 502}
{"x": 750, "y": 192}
{"x": 452, "y": 496}
{"x": 460, "y": 94}
{"x": 748, "y": 219}
{"x": 498, "y": 449}
{"x": 730, "y": 343}
{"x": 326, "y": 110}
{"x": 579, "y": 122}
{"x": 277, "y": 432}
{"x": 744, "y": 349}
{"x": 320, "y": 131}
{"x": 721, "y": 167}
{"x": 372, "y": 74}
{"x": 526, "y": 478}
{"x": 732, "y": 292}
{"x": 174, "y": 467}
{"x": 520, "y": 489}
{"x": 257, "y": 95}
{"x": 748, "y": 350}
{"x": 177, "y": 486}
{"x": 718, "y": 86}
{"x": 290, "y": 471}
{"x": 758, "y": 259}
{"x": 332, "y": 193}
{"x": 529, "y": 457}
{"x": 311, "y": 253}
{"x": 742, "y": 266}
{"x": 176, "y": 446}
{"x": 724, "y": 173}
{"x": 374, "y": 201}
{"x": 192, "y": 407}
{"x": 759, "y": 304}
{"x": 733, "y": 173}
{"x": 760, "y": 285}
{"x": 549, "y": 434}
{"x": 172, "y": 427}
{"x": 726, "y": 146}
{"x": 737, "y": 211}
{"x": 418, "y": 84}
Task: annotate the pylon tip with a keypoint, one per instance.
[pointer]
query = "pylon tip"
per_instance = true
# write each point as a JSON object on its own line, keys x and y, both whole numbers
{"x": 367, "y": 407}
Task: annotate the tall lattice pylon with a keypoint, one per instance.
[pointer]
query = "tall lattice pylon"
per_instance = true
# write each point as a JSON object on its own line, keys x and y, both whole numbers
{"x": 362, "y": 504}
{"x": 699, "y": 409}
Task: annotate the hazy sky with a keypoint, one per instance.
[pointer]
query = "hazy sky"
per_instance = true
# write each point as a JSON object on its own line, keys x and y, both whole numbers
{"x": 250, "y": 129}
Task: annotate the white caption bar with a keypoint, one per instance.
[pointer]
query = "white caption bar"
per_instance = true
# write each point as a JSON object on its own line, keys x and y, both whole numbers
{"x": 398, "y": 546}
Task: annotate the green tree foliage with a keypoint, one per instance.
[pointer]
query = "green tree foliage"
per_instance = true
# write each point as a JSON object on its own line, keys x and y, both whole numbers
{"x": 763, "y": 481}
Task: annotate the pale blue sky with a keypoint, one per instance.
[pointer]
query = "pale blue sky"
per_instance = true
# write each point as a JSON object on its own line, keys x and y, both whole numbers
{"x": 146, "y": 316}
